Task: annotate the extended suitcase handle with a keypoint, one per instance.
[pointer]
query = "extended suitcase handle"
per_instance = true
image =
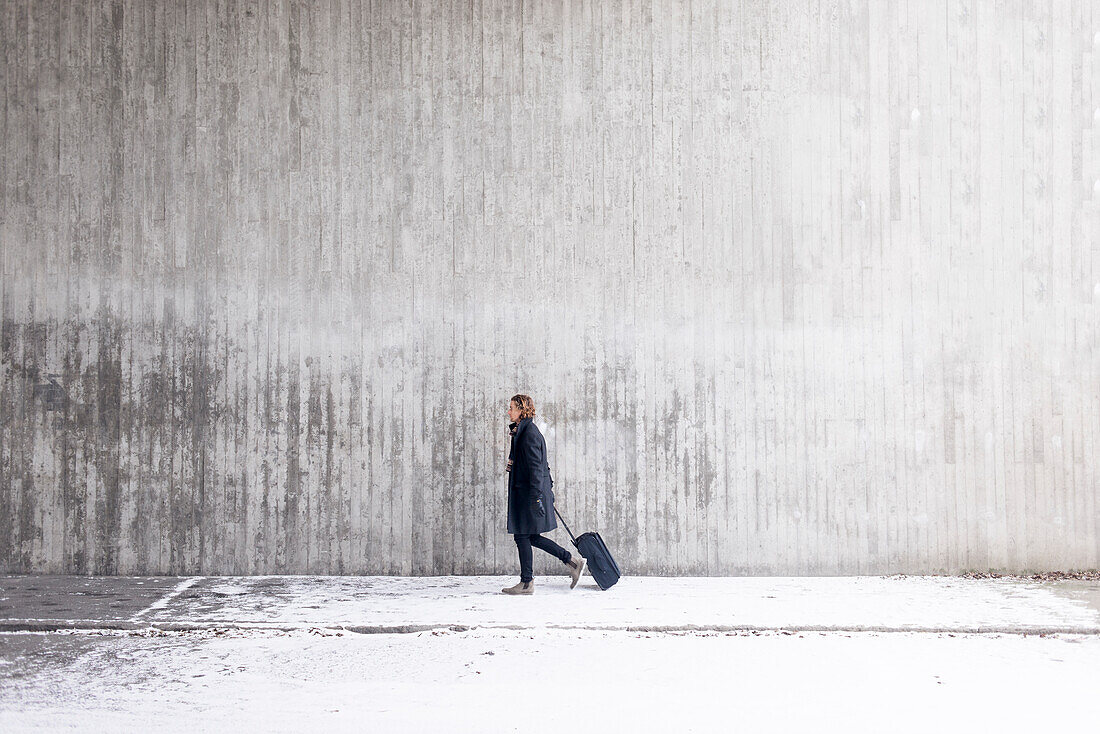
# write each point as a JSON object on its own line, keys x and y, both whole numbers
{"x": 571, "y": 536}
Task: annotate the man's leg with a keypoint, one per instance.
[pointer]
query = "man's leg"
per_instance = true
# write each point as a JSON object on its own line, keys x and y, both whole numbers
{"x": 549, "y": 546}
{"x": 526, "y": 571}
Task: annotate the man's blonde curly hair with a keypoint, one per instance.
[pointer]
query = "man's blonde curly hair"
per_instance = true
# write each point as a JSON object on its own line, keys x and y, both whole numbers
{"x": 526, "y": 406}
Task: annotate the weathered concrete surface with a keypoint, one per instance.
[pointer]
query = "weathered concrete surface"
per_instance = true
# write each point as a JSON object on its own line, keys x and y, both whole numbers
{"x": 798, "y": 288}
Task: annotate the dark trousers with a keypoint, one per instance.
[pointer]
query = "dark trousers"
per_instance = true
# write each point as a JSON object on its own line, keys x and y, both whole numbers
{"x": 524, "y": 543}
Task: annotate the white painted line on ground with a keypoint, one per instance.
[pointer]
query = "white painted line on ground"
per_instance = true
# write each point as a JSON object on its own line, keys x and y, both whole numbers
{"x": 163, "y": 601}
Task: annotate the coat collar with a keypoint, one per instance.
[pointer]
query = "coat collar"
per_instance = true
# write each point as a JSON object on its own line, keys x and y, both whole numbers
{"x": 523, "y": 423}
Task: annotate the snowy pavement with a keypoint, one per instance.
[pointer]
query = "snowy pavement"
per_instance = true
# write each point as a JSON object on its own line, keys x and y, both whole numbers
{"x": 386, "y": 604}
{"x": 841, "y": 654}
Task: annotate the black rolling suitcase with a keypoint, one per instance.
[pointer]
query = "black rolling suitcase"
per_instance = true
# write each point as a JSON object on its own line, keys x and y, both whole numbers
{"x": 600, "y": 563}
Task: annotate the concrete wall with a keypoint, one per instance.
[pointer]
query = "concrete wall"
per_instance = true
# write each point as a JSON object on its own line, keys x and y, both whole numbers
{"x": 798, "y": 288}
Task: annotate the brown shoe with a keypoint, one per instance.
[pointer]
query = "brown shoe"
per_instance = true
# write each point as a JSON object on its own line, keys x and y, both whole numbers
{"x": 522, "y": 587}
{"x": 576, "y": 568}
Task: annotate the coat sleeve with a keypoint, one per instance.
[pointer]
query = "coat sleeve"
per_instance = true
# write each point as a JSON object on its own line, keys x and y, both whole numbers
{"x": 534, "y": 455}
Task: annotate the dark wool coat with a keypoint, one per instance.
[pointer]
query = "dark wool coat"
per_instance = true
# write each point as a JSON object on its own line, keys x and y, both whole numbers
{"x": 530, "y": 499}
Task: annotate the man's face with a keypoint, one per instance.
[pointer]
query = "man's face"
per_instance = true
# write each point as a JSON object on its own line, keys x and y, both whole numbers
{"x": 513, "y": 411}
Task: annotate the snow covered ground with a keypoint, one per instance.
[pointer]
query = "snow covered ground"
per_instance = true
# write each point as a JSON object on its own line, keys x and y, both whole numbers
{"x": 652, "y": 654}
{"x": 373, "y": 603}
{"x": 850, "y": 602}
